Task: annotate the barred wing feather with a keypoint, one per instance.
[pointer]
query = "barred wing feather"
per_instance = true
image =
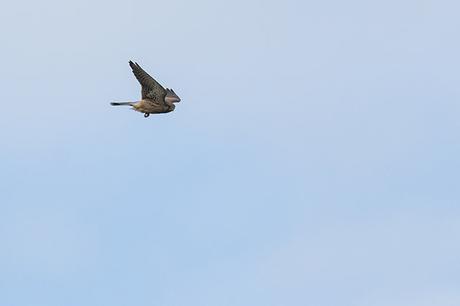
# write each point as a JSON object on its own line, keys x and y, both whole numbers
{"x": 151, "y": 89}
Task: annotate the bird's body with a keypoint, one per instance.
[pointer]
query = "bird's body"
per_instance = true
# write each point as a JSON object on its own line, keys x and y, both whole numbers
{"x": 155, "y": 99}
{"x": 152, "y": 107}
{"x": 147, "y": 106}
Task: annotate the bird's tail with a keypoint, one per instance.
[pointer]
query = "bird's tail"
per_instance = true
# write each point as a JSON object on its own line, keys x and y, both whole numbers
{"x": 121, "y": 103}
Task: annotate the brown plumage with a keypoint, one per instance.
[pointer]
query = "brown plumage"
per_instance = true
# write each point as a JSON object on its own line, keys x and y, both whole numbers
{"x": 155, "y": 98}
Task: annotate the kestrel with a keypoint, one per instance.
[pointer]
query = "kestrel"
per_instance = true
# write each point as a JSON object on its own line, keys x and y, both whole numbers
{"x": 155, "y": 99}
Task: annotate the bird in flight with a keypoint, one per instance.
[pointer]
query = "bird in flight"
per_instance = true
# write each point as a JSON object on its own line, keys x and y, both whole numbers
{"x": 155, "y": 98}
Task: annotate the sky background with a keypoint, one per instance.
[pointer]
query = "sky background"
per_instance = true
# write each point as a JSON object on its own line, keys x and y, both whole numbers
{"x": 314, "y": 158}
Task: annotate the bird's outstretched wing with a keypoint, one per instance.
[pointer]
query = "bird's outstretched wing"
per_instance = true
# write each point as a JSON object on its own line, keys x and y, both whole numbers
{"x": 151, "y": 89}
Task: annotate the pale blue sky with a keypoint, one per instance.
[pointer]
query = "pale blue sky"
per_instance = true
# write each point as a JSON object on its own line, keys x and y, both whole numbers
{"x": 314, "y": 159}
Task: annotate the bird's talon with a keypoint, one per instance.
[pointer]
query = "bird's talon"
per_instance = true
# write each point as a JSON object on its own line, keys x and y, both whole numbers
{"x": 146, "y": 115}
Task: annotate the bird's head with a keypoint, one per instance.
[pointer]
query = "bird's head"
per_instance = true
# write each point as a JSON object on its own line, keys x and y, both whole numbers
{"x": 171, "y": 96}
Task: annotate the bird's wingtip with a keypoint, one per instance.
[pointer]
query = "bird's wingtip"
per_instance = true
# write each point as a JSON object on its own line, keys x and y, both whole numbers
{"x": 133, "y": 64}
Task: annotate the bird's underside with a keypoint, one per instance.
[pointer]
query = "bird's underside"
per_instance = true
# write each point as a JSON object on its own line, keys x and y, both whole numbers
{"x": 155, "y": 99}
{"x": 148, "y": 107}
